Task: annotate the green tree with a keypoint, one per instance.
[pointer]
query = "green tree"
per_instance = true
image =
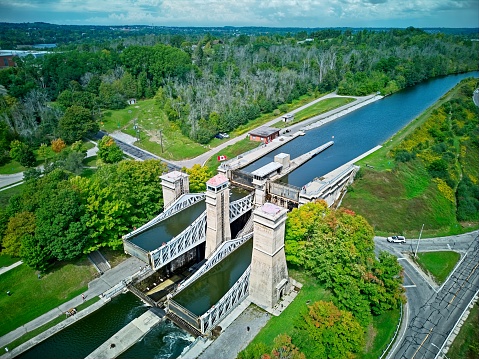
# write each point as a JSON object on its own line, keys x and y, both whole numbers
{"x": 76, "y": 123}
{"x": 22, "y": 153}
{"x": 108, "y": 150}
{"x": 18, "y": 227}
{"x": 329, "y": 332}
{"x": 198, "y": 177}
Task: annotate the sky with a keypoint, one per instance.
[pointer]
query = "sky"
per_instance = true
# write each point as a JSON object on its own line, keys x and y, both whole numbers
{"x": 274, "y": 13}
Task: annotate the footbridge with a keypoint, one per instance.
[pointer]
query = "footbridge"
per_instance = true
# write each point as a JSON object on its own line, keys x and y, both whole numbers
{"x": 170, "y": 235}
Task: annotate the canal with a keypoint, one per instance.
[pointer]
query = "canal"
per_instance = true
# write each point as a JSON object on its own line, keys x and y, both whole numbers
{"x": 361, "y": 130}
{"x": 83, "y": 337}
{"x": 353, "y": 134}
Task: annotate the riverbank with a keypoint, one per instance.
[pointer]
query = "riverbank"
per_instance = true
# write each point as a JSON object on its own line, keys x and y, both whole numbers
{"x": 98, "y": 286}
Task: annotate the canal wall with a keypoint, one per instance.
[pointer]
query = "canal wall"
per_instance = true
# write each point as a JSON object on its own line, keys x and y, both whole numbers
{"x": 342, "y": 111}
{"x": 251, "y": 156}
{"x": 126, "y": 337}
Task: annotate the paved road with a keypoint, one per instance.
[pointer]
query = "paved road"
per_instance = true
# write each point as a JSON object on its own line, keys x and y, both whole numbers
{"x": 433, "y": 311}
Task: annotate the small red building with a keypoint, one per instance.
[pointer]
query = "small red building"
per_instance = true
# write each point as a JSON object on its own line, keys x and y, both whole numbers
{"x": 264, "y": 134}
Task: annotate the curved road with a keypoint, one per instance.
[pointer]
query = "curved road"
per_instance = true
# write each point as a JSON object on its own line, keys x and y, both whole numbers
{"x": 434, "y": 311}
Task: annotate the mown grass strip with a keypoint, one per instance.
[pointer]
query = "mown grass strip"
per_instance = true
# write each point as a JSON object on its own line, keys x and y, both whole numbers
{"x": 439, "y": 264}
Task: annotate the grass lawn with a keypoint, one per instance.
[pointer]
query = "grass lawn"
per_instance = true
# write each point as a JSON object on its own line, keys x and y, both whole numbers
{"x": 150, "y": 120}
{"x": 231, "y": 152}
{"x": 90, "y": 161}
{"x": 316, "y": 109}
{"x": 11, "y": 168}
{"x": 379, "y": 334}
{"x": 6, "y": 260}
{"x": 32, "y": 297}
{"x": 466, "y": 344}
{"x": 6, "y": 194}
{"x": 439, "y": 264}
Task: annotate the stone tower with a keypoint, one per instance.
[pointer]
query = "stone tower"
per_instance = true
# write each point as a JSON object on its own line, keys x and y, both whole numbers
{"x": 269, "y": 274}
{"x": 174, "y": 184}
{"x": 217, "y": 212}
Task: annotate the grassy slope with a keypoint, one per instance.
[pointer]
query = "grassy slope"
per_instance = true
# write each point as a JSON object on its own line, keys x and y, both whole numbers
{"x": 150, "y": 120}
{"x": 399, "y": 198}
{"x": 466, "y": 344}
{"x": 284, "y": 323}
{"x": 377, "y": 337}
{"x": 32, "y": 297}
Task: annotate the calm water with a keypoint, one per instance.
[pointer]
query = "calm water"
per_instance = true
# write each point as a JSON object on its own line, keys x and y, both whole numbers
{"x": 80, "y": 339}
{"x": 169, "y": 228}
{"x": 360, "y": 130}
{"x": 202, "y": 294}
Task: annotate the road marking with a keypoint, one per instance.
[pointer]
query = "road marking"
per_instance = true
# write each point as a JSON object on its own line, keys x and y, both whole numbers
{"x": 410, "y": 286}
{"x": 463, "y": 283}
{"x": 402, "y": 258}
{"x": 430, "y": 330}
{"x": 448, "y": 246}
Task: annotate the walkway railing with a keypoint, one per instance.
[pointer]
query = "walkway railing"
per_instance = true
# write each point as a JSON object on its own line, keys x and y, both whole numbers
{"x": 222, "y": 251}
{"x": 184, "y": 201}
{"x": 193, "y": 235}
{"x": 226, "y": 304}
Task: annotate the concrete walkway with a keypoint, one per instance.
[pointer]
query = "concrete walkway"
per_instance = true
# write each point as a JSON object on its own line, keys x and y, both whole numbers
{"x": 95, "y": 288}
{"x": 6, "y": 269}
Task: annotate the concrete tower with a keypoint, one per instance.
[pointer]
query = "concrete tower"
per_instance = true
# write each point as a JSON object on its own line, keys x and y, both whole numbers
{"x": 269, "y": 274}
{"x": 217, "y": 212}
{"x": 174, "y": 184}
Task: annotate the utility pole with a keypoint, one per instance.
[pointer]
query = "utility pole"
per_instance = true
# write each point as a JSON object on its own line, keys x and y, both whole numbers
{"x": 420, "y": 233}
{"x": 161, "y": 140}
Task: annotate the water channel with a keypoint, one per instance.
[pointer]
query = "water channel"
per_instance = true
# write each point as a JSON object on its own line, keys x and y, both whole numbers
{"x": 353, "y": 134}
{"x": 361, "y": 130}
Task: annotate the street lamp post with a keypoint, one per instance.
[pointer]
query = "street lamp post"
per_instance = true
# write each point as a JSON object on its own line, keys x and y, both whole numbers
{"x": 420, "y": 233}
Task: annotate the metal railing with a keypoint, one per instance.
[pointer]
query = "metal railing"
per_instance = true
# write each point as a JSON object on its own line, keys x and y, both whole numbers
{"x": 193, "y": 235}
{"x": 238, "y": 292}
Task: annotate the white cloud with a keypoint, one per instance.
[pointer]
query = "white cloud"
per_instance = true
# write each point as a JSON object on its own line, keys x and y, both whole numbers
{"x": 305, "y": 13}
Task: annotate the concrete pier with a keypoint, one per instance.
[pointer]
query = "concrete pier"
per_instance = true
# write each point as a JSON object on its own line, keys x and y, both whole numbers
{"x": 249, "y": 157}
{"x": 300, "y": 160}
{"x": 126, "y": 337}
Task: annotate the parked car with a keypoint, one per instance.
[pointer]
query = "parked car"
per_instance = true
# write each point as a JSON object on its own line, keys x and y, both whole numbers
{"x": 219, "y": 135}
{"x": 225, "y": 135}
{"x": 397, "y": 239}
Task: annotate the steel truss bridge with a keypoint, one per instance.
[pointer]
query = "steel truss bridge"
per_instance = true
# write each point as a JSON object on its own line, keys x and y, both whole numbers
{"x": 235, "y": 295}
{"x": 189, "y": 238}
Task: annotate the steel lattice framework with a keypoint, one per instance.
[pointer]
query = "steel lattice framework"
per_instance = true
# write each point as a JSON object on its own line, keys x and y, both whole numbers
{"x": 241, "y": 206}
{"x": 227, "y": 303}
{"x": 184, "y": 201}
{"x": 193, "y": 235}
{"x": 223, "y": 250}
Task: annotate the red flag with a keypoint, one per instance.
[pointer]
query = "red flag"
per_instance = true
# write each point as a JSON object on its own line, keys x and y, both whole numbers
{"x": 222, "y": 158}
